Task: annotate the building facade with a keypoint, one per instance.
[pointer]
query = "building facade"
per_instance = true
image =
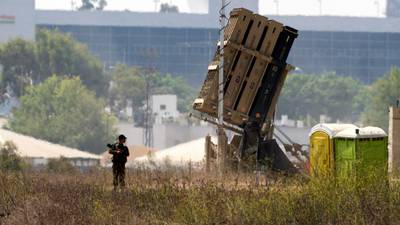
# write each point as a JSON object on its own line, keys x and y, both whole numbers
{"x": 363, "y": 48}
{"x": 164, "y": 108}
{"x": 183, "y": 44}
{"x": 17, "y": 19}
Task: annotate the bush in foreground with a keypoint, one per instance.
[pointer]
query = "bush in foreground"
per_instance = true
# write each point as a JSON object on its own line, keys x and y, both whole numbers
{"x": 9, "y": 160}
{"x": 60, "y": 165}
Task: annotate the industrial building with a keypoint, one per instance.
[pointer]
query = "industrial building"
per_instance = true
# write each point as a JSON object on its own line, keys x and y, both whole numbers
{"x": 184, "y": 43}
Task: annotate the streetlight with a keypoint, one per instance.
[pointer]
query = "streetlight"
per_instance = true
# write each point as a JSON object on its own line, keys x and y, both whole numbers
{"x": 320, "y": 6}
{"x": 277, "y": 6}
{"x": 156, "y": 5}
{"x": 73, "y": 5}
{"x": 376, "y": 2}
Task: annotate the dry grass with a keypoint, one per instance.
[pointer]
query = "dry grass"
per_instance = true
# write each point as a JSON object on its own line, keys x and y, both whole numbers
{"x": 189, "y": 197}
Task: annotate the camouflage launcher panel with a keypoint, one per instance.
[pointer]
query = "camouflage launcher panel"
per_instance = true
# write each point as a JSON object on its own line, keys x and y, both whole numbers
{"x": 255, "y": 53}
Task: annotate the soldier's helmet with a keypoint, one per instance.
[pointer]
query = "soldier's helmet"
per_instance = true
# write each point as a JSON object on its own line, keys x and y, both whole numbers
{"x": 121, "y": 137}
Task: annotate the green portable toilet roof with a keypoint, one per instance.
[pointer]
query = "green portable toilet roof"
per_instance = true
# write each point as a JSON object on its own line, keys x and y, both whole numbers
{"x": 331, "y": 128}
{"x": 365, "y": 132}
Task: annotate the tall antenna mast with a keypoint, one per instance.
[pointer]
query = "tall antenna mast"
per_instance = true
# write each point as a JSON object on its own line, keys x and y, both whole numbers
{"x": 148, "y": 115}
{"x": 72, "y": 5}
{"x": 148, "y": 138}
{"x": 277, "y": 6}
{"x": 221, "y": 132}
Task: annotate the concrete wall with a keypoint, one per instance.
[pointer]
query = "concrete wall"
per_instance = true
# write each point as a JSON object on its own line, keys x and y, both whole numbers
{"x": 17, "y": 19}
{"x": 176, "y": 134}
{"x": 165, "y": 135}
{"x": 168, "y": 135}
{"x": 134, "y": 134}
{"x": 77, "y": 162}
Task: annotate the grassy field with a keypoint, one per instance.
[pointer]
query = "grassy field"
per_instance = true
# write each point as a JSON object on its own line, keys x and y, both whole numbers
{"x": 188, "y": 197}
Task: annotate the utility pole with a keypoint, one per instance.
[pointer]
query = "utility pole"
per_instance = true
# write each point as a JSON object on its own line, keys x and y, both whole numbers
{"x": 148, "y": 115}
{"x": 148, "y": 137}
{"x": 221, "y": 133}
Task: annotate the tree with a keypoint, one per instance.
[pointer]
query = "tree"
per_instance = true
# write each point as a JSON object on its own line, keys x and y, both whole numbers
{"x": 127, "y": 86}
{"x": 167, "y": 8}
{"x": 383, "y": 94}
{"x": 102, "y": 4}
{"x": 86, "y": 5}
{"x": 393, "y": 8}
{"x": 20, "y": 66}
{"x": 60, "y": 54}
{"x": 92, "y": 4}
{"x": 62, "y": 110}
{"x": 25, "y": 63}
{"x": 328, "y": 94}
{"x": 168, "y": 84}
{"x": 60, "y": 165}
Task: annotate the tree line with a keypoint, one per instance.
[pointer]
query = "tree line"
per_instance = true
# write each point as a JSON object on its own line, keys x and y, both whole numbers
{"x": 64, "y": 90}
{"x": 31, "y": 62}
{"x": 340, "y": 97}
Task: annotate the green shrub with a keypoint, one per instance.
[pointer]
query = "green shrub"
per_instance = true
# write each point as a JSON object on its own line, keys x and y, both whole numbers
{"x": 9, "y": 160}
{"x": 60, "y": 165}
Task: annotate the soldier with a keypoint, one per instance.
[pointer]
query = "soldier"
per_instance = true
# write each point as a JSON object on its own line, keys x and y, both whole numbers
{"x": 120, "y": 153}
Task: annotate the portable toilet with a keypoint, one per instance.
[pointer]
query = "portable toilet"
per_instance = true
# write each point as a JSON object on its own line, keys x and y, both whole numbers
{"x": 357, "y": 149}
{"x": 322, "y": 148}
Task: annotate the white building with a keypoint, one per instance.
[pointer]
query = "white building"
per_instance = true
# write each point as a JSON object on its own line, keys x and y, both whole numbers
{"x": 165, "y": 108}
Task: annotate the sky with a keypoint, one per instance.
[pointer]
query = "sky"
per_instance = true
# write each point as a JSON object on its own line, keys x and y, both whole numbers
{"x": 368, "y": 8}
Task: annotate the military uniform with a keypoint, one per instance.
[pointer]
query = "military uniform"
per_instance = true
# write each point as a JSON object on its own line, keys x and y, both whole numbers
{"x": 120, "y": 154}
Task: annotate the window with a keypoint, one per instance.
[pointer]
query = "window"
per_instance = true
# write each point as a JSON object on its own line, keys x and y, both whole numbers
{"x": 163, "y": 107}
